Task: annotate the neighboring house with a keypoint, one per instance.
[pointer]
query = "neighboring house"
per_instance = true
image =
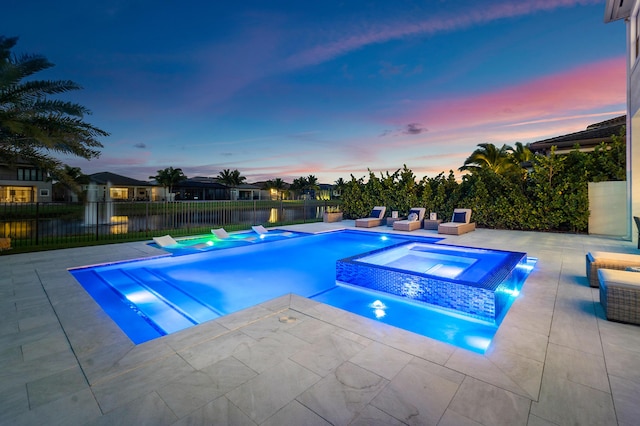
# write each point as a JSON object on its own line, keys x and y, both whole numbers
{"x": 200, "y": 188}
{"x": 587, "y": 139}
{"x": 108, "y": 185}
{"x": 23, "y": 183}
{"x": 629, "y": 11}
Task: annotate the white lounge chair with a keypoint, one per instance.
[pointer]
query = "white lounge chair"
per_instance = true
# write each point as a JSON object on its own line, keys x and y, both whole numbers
{"x": 165, "y": 241}
{"x": 413, "y": 220}
{"x": 374, "y": 219}
{"x": 220, "y": 233}
{"x": 460, "y": 223}
{"x": 263, "y": 232}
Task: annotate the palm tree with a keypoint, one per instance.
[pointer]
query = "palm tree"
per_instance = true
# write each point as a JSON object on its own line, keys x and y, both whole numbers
{"x": 231, "y": 178}
{"x": 488, "y": 156}
{"x": 522, "y": 155}
{"x": 312, "y": 184}
{"x": 278, "y": 185}
{"x": 299, "y": 184}
{"x": 340, "y": 185}
{"x": 169, "y": 177}
{"x": 33, "y": 126}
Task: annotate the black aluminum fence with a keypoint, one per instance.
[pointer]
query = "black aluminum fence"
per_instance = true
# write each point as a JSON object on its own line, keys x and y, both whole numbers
{"x": 41, "y": 226}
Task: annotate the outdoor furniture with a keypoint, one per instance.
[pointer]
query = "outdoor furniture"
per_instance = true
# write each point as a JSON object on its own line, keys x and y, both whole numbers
{"x": 165, "y": 241}
{"x": 431, "y": 224}
{"x": 460, "y": 223}
{"x": 374, "y": 219}
{"x": 606, "y": 260}
{"x": 637, "y": 220}
{"x": 412, "y": 222}
{"x": 220, "y": 233}
{"x": 620, "y": 295}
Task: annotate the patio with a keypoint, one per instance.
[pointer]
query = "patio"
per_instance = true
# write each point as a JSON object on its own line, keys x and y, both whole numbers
{"x": 291, "y": 361}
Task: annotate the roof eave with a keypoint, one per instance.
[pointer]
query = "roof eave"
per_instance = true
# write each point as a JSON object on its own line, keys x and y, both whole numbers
{"x": 615, "y": 10}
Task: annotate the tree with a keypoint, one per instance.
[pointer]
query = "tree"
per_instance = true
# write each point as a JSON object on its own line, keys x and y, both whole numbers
{"x": 33, "y": 126}
{"x": 488, "y": 156}
{"x": 169, "y": 177}
{"x": 231, "y": 178}
{"x": 278, "y": 185}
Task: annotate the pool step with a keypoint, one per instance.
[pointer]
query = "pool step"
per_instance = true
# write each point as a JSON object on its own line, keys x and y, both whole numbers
{"x": 192, "y": 308}
{"x": 148, "y": 303}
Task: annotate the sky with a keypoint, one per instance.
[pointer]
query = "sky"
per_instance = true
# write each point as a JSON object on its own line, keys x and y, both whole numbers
{"x": 284, "y": 89}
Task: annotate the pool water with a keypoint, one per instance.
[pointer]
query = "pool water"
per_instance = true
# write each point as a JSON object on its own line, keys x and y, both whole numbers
{"x": 153, "y": 297}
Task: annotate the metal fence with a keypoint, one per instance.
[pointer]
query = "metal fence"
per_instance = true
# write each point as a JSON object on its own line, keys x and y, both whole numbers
{"x": 38, "y": 226}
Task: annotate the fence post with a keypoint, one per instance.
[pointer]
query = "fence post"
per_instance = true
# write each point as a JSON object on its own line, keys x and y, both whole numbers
{"x": 37, "y": 223}
{"x": 97, "y": 220}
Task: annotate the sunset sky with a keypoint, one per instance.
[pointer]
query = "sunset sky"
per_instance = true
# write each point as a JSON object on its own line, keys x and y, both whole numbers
{"x": 331, "y": 88}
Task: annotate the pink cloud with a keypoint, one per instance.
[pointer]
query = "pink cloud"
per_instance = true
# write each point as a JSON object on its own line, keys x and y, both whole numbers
{"x": 585, "y": 89}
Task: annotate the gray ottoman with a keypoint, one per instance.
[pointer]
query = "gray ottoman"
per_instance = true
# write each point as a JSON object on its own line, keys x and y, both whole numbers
{"x": 620, "y": 295}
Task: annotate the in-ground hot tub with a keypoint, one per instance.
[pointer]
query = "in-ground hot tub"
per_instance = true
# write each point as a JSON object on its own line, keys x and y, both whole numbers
{"x": 476, "y": 282}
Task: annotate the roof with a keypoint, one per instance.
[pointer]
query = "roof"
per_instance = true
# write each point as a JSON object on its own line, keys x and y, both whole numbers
{"x": 103, "y": 178}
{"x": 592, "y": 136}
{"x": 617, "y": 9}
{"x": 199, "y": 182}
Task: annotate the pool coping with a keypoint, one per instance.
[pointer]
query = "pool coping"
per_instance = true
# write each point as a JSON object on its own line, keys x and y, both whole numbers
{"x": 542, "y": 319}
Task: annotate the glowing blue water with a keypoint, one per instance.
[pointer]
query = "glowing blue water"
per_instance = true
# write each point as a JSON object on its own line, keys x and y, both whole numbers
{"x": 153, "y": 297}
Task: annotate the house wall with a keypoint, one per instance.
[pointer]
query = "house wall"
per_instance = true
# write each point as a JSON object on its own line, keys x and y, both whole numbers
{"x": 608, "y": 208}
{"x": 633, "y": 123}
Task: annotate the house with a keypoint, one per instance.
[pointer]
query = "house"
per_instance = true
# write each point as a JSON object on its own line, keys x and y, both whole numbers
{"x": 628, "y": 10}
{"x": 200, "y": 188}
{"x": 587, "y": 139}
{"x": 24, "y": 183}
{"x": 107, "y": 185}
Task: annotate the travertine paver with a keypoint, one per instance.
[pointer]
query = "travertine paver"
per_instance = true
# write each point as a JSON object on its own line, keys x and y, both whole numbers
{"x": 555, "y": 360}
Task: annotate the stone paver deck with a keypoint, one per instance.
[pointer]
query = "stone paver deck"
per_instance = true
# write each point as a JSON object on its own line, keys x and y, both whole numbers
{"x": 293, "y": 361}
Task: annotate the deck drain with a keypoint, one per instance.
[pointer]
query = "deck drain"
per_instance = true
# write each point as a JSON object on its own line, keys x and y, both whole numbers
{"x": 288, "y": 319}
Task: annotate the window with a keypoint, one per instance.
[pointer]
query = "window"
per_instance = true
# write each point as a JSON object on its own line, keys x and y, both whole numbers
{"x": 44, "y": 192}
{"x": 31, "y": 174}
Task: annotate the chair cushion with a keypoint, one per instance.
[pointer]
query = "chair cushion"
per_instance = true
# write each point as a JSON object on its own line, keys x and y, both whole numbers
{"x": 459, "y": 217}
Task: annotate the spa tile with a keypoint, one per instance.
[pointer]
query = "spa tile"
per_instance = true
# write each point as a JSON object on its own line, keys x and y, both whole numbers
{"x": 420, "y": 393}
{"x": 340, "y": 396}
{"x": 259, "y": 399}
{"x": 490, "y": 405}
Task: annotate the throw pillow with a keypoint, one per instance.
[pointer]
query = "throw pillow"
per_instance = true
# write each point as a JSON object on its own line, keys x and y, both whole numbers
{"x": 412, "y": 217}
{"x": 375, "y": 213}
{"x": 460, "y": 217}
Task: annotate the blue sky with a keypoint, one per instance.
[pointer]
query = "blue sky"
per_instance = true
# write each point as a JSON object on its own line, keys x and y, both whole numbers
{"x": 330, "y": 88}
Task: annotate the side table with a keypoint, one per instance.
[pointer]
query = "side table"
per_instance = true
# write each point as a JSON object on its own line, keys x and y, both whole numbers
{"x": 432, "y": 224}
{"x": 390, "y": 220}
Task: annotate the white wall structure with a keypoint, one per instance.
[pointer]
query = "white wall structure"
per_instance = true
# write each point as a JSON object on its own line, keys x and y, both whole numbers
{"x": 628, "y": 10}
{"x": 608, "y": 208}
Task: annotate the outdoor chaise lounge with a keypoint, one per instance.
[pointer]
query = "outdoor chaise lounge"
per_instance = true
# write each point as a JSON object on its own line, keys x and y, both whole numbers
{"x": 262, "y": 231}
{"x": 606, "y": 260}
{"x": 165, "y": 241}
{"x": 460, "y": 223}
{"x": 220, "y": 233}
{"x": 620, "y": 295}
{"x": 412, "y": 222}
{"x": 374, "y": 219}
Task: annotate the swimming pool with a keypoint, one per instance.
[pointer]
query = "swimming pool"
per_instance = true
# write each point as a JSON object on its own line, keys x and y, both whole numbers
{"x": 152, "y": 297}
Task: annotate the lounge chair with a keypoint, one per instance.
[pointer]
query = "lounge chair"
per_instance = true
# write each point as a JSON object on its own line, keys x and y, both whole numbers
{"x": 606, "y": 260}
{"x": 263, "y": 232}
{"x": 220, "y": 233}
{"x": 374, "y": 219}
{"x": 460, "y": 223}
{"x": 165, "y": 241}
{"x": 413, "y": 220}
